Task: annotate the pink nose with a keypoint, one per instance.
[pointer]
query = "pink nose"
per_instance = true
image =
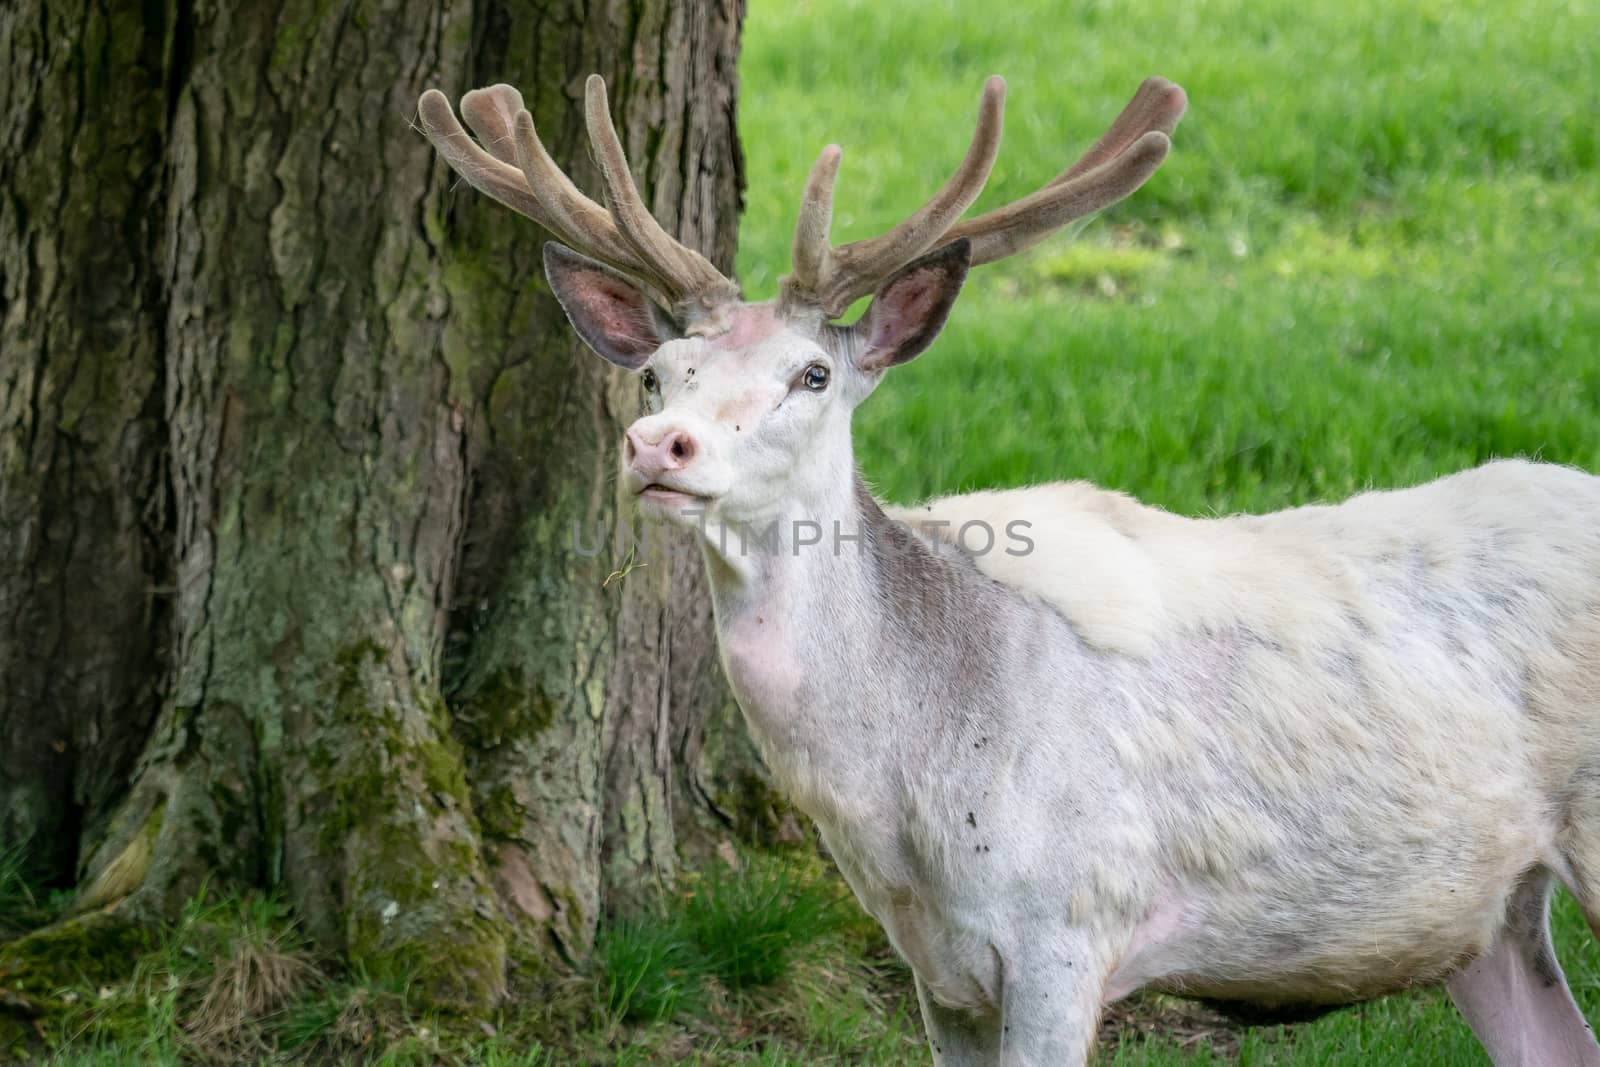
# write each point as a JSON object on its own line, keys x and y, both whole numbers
{"x": 673, "y": 451}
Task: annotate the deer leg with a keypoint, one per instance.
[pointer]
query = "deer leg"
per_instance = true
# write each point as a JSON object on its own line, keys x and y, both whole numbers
{"x": 957, "y": 1038}
{"x": 1514, "y": 996}
{"x": 1048, "y": 1017}
{"x": 1050, "y": 1009}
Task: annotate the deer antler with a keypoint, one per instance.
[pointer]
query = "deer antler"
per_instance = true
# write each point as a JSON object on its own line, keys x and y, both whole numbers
{"x": 1122, "y": 160}
{"x": 1117, "y": 164}
{"x": 831, "y": 278}
{"x": 513, "y": 167}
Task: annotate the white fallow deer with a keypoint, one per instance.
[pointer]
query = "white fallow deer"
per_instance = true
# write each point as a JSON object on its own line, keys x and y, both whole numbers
{"x": 1286, "y": 762}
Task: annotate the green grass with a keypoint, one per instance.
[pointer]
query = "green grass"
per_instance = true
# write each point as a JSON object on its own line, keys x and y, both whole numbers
{"x": 649, "y": 970}
{"x": 748, "y": 925}
{"x": 207, "y": 989}
{"x": 743, "y": 930}
{"x": 1370, "y": 260}
{"x": 770, "y": 963}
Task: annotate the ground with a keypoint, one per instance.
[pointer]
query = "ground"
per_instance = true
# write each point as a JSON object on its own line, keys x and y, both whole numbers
{"x": 1369, "y": 261}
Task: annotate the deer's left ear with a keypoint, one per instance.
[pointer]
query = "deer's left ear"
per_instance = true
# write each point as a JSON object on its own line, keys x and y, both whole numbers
{"x": 909, "y": 309}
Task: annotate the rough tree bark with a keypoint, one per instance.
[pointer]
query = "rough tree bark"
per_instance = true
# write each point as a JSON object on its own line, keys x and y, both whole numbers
{"x": 83, "y": 541}
{"x": 328, "y": 394}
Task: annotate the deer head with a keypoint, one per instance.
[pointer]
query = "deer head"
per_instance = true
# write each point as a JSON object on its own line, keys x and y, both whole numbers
{"x": 749, "y": 404}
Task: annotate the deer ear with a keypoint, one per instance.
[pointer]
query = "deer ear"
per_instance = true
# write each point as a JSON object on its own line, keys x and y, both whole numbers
{"x": 909, "y": 309}
{"x": 610, "y": 313}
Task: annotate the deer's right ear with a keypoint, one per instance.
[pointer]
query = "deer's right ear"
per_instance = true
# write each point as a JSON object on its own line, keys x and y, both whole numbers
{"x": 610, "y": 313}
{"x": 910, "y": 308}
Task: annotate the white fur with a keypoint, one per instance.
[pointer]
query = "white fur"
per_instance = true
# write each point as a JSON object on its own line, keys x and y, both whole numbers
{"x": 1128, "y": 575}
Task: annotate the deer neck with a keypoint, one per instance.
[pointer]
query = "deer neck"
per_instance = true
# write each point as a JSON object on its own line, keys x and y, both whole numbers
{"x": 806, "y": 551}
{"x": 810, "y": 643}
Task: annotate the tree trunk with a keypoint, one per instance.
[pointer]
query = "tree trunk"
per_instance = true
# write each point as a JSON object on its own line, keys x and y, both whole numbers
{"x": 84, "y": 549}
{"x": 399, "y": 689}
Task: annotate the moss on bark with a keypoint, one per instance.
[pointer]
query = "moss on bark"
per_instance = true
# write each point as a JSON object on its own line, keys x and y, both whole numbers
{"x": 90, "y": 950}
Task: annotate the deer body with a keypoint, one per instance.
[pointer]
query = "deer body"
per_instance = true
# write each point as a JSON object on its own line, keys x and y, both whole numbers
{"x": 1291, "y": 760}
{"x": 1276, "y": 811}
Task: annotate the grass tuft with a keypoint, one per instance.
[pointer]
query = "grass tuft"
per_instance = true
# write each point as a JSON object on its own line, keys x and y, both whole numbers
{"x": 255, "y": 973}
{"x": 738, "y": 929}
{"x": 748, "y": 925}
{"x": 649, "y": 971}
{"x": 359, "y": 1014}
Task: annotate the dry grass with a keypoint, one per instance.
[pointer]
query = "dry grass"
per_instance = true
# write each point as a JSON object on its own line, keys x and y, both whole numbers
{"x": 369, "y": 1019}
{"x": 1181, "y": 1023}
{"x": 256, "y": 978}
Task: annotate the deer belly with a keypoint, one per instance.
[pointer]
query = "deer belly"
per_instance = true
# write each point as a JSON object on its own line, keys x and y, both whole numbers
{"x": 1271, "y": 954}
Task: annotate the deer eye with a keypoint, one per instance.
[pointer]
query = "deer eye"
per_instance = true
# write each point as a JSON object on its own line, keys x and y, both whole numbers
{"x": 815, "y": 377}
{"x": 649, "y": 378}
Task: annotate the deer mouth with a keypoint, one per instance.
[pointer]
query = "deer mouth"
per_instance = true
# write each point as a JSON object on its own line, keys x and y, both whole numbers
{"x": 658, "y": 493}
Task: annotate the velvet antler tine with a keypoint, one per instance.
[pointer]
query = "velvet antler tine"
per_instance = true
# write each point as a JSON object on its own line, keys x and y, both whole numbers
{"x": 1024, "y": 223}
{"x": 929, "y": 222}
{"x": 578, "y": 220}
{"x": 490, "y": 113}
{"x": 682, "y": 272}
{"x": 628, "y": 209}
{"x": 811, "y": 253}
{"x": 1158, "y": 105}
{"x": 829, "y": 279}
{"x": 504, "y": 128}
{"x": 489, "y": 175}
{"x": 855, "y": 269}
